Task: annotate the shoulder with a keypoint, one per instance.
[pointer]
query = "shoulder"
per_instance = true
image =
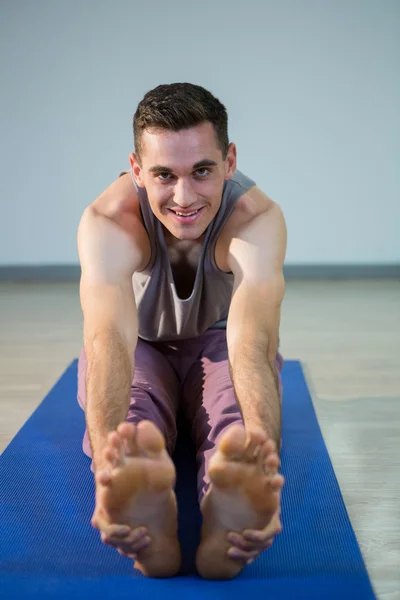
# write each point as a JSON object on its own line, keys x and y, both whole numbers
{"x": 119, "y": 202}
{"x": 119, "y": 199}
{"x": 119, "y": 205}
{"x": 253, "y": 208}
{"x": 251, "y": 202}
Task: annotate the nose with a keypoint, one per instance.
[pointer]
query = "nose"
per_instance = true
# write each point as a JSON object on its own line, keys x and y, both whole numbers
{"x": 184, "y": 194}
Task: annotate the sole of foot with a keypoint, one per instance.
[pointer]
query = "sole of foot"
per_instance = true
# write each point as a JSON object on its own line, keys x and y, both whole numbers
{"x": 244, "y": 494}
{"x": 136, "y": 510}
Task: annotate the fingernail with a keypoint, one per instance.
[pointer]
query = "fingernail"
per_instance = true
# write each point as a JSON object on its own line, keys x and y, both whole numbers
{"x": 233, "y": 553}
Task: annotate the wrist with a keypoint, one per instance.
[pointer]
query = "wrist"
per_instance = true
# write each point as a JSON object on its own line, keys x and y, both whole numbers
{"x": 98, "y": 444}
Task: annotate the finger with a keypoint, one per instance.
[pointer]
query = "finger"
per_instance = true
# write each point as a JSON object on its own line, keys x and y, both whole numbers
{"x": 237, "y": 554}
{"x": 119, "y": 531}
{"x": 140, "y": 544}
{"x": 258, "y": 537}
{"x": 98, "y": 522}
{"x": 135, "y": 535}
{"x": 128, "y": 549}
{"x": 239, "y": 542}
{"x": 109, "y": 540}
{"x": 133, "y": 556}
{"x": 261, "y": 537}
{"x": 112, "y": 530}
{"x": 123, "y": 542}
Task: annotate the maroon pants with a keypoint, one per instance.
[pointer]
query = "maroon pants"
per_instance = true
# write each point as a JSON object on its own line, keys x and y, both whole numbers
{"x": 193, "y": 374}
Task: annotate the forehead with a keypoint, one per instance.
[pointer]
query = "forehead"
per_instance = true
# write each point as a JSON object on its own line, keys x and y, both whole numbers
{"x": 186, "y": 145}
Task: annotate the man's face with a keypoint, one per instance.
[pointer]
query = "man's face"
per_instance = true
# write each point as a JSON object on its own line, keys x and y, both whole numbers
{"x": 184, "y": 172}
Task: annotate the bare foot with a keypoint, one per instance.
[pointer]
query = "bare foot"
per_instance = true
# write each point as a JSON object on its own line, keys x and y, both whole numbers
{"x": 136, "y": 509}
{"x": 244, "y": 495}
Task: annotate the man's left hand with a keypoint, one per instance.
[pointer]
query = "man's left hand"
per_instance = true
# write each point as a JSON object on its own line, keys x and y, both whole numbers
{"x": 249, "y": 544}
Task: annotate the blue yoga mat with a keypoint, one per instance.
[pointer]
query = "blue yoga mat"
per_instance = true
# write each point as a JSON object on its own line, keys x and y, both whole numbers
{"x": 49, "y": 549}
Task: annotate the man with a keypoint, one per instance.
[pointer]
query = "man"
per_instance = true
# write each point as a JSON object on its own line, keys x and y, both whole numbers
{"x": 181, "y": 291}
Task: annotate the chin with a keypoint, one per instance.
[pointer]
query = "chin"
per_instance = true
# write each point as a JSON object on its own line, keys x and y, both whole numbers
{"x": 187, "y": 232}
{"x": 187, "y": 235}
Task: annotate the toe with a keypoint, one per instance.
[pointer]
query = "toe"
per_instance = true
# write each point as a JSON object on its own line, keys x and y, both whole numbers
{"x": 116, "y": 447}
{"x": 113, "y": 439}
{"x": 272, "y": 462}
{"x": 269, "y": 447}
{"x": 266, "y": 449}
{"x": 103, "y": 477}
{"x": 277, "y": 481}
{"x": 150, "y": 439}
{"x": 127, "y": 432}
{"x": 233, "y": 442}
{"x": 254, "y": 443}
{"x": 109, "y": 455}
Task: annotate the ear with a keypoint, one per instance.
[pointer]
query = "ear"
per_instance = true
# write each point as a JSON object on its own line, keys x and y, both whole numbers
{"x": 136, "y": 169}
{"x": 230, "y": 161}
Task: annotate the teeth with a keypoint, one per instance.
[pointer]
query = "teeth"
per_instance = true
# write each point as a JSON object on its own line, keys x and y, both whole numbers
{"x": 186, "y": 214}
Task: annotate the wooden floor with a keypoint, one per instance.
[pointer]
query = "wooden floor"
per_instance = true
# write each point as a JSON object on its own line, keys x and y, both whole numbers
{"x": 347, "y": 335}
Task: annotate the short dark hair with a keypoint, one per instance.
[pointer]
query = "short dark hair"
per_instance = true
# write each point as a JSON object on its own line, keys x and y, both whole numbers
{"x": 178, "y": 106}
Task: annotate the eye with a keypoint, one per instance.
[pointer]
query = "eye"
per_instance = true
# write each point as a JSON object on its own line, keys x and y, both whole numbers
{"x": 203, "y": 172}
{"x": 164, "y": 176}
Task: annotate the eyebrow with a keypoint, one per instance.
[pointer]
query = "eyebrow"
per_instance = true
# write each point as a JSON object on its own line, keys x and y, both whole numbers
{"x": 202, "y": 163}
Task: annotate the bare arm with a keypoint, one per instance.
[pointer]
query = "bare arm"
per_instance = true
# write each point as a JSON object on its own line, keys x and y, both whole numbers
{"x": 256, "y": 256}
{"x": 110, "y": 250}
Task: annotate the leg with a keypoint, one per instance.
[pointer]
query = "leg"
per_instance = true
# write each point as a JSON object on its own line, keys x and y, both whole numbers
{"x": 209, "y": 402}
{"x": 135, "y": 503}
{"x": 244, "y": 491}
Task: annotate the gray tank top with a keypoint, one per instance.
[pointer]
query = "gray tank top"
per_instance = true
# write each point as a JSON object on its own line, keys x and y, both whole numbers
{"x": 163, "y": 315}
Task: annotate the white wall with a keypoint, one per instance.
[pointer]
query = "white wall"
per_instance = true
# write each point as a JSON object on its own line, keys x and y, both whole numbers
{"x": 312, "y": 90}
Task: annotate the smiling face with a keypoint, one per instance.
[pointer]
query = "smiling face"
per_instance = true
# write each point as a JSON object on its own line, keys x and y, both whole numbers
{"x": 183, "y": 173}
